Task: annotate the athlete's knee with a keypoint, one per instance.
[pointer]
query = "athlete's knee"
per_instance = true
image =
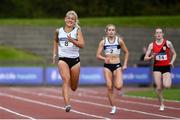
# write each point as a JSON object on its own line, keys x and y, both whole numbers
{"x": 167, "y": 86}
{"x": 74, "y": 87}
{"x": 65, "y": 79}
{"x": 159, "y": 87}
{"x": 119, "y": 87}
{"x": 158, "y": 90}
{"x": 66, "y": 83}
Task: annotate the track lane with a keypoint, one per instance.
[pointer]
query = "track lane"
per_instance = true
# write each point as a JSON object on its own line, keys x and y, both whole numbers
{"x": 125, "y": 108}
{"x": 50, "y": 103}
{"x": 91, "y": 101}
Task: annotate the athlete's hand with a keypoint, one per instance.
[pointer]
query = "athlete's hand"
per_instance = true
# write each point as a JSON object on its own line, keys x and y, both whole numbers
{"x": 153, "y": 55}
{"x": 70, "y": 39}
{"x": 124, "y": 67}
{"x": 172, "y": 64}
{"x": 54, "y": 59}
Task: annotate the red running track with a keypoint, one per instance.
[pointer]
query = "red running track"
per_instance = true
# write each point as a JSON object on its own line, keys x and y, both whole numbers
{"x": 87, "y": 103}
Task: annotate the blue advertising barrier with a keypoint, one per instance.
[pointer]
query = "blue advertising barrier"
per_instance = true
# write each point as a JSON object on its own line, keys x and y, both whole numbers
{"x": 88, "y": 76}
{"x": 52, "y": 76}
{"x": 176, "y": 76}
{"x": 141, "y": 75}
{"x": 21, "y": 75}
{"x": 94, "y": 75}
{"x": 144, "y": 76}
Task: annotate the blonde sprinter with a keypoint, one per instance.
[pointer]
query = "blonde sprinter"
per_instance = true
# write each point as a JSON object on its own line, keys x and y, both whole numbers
{"x": 112, "y": 45}
{"x": 67, "y": 41}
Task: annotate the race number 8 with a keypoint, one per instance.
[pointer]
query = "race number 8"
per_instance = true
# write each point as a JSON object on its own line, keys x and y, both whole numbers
{"x": 66, "y": 43}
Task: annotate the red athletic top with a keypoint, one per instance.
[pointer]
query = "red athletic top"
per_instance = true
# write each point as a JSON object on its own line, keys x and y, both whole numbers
{"x": 162, "y": 57}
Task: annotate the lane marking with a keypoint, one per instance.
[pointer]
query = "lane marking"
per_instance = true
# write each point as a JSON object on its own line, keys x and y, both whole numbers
{"x": 150, "y": 98}
{"x": 97, "y": 104}
{"x": 124, "y": 101}
{"x": 16, "y": 113}
{"x": 49, "y": 105}
{"x": 133, "y": 102}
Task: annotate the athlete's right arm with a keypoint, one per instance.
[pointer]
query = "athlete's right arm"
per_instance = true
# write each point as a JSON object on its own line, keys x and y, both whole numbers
{"x": 55, "y": 47}
{"x": 99, "y": 52}
{"x": 148, "y": 55}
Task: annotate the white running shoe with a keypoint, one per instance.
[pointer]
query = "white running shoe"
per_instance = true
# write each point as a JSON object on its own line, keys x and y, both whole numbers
{"x": 113, "y": 111}
{"x": 67, "y": 108}
{"x": 161, "y": 108}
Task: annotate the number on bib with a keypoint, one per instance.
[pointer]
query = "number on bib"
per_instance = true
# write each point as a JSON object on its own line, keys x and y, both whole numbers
{"x": 161, "y": 57}
{"x": 66, "y": 43}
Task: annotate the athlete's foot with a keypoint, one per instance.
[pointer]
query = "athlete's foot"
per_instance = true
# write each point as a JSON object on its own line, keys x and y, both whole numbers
{"x": 161, "y": 108}
{"x": 113, "y": 111}
{"x": 67, "y": 108}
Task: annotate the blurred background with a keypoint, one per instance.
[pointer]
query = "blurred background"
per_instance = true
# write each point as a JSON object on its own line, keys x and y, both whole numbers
{"x": 27, "y": 28}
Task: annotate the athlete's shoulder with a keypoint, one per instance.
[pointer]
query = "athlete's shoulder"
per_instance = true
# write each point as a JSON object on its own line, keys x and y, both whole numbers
{"x": 59, "y": 29}
{"x": 120, "y": 39}
{"x": 151, "y": 45}
{"x": 169, "y": 43}
{"x": 78, "y": 30}
{"x": 102, "y": 42}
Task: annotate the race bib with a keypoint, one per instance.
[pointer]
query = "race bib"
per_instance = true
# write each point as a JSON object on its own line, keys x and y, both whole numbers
{"x": 161, "y": 57}
{"x": 66, "y": 44}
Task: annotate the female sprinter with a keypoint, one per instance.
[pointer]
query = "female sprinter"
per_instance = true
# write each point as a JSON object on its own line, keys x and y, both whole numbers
{"x": 112, "y": 45}
{"x": 67, "y": 41}
{"x": 159, "y": 50}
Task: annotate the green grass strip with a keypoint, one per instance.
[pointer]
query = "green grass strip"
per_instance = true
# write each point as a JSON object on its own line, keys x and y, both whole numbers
{"x": 169, "y": 94}
{"x": 137, "y": 21}
{"x": 15, "y": 57}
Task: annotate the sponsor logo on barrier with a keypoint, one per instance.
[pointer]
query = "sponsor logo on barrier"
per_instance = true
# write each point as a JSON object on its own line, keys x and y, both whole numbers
{"x": 13, "y": 76}
{"x": 21, "y": 75}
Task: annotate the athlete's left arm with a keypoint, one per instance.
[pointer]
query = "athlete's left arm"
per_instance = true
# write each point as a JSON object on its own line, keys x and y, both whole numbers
{"x": 80, "y": 40}
{"x": 170, "y": 45}
{"x": 125, "y": 49}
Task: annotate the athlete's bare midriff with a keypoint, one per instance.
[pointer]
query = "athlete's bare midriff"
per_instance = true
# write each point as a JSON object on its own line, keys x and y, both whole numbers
{"x": 113, "y": 59}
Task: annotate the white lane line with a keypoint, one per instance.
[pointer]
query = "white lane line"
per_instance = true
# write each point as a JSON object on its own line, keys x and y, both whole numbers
{"x": 49, "y": 105}
{"x": 150, "y": 98}
{"x": 96, "y": 104}
{"x": 16, "y": 113}
{"x": 132, "y": 102}
{"x": 124, "y": 101}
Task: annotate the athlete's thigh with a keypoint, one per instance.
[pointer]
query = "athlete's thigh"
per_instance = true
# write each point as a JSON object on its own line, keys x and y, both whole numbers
{"x": 118, "y": 82}
{"x": 64, "y": 70}
{"x": 157, "y": 79}
{"x": 75, "y": 72}
{"x": 108, "y": 77}
{"x": 167, "y": 80}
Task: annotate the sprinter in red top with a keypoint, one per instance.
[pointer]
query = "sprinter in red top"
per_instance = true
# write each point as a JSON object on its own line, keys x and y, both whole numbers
{"x": 160, "y": 51}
